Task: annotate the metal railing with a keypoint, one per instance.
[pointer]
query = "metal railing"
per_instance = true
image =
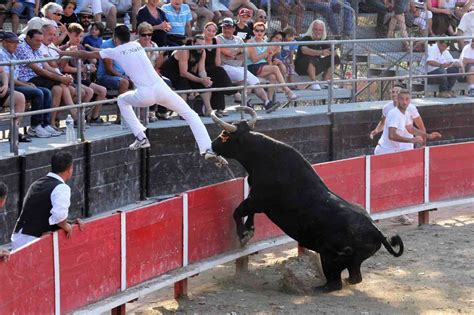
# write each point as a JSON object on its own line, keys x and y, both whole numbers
{"x": 14, "y": 117}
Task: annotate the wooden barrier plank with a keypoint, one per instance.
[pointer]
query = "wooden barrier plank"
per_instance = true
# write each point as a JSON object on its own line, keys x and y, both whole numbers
{"x": 346, "y": 178}
{"x": 90, "y": 263}
{"x": 27, "y": 285}
{"x": 451, "y": 171}
{"x": 211, "y": 225}
{"x": 154, "y": 240}
{"x": 397, "y": 180}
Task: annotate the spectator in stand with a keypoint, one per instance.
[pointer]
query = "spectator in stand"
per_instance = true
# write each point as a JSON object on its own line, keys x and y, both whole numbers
{"x": 242, "y": 28}
{"x": 39, "y": 75}
{"x": 46, "y": 205}
{"x": 467, "y": 59}
{"x": 330, "y": 11}
{"x": 92, "y": 6}
{"x": 145, "y": 33}
{"x": 85, "y": 19}
{"x": 312, "y": 60}
{"x": 232, "y": 60}
{"x": 444, "y": 23}
{"x": 214, "y": 70}
{"x": 287, "y": 52}
{"x": 284, "y": 8}
{"x": 94, "y": 39}
{"x": 440, "y": 61}
{"x": 199, "y": 11}
{"x": 274, "y": 59}
{"x": 417, "y": 15}
{"x": 110, "y": 9}
{"x": 180, "y": 17}
{"x": 234, "y": 5}
{"x": 219, "y": 10}
{"x": 380, "y": 6}
{"x": 152, "y": 14}
{"x": 397, "y": 19}
{"x": 260, "y": 16}
{"x": 39, "y": 97}
{"x": 69, "y": 16}
{"x": 18, "y": 8}
{"x": 91, "y": 89}
{"x": 465, "y": 28}
{"x": 187, "y": 70}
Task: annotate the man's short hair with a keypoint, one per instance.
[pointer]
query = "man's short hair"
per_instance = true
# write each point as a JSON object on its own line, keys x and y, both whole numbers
{"x": 404, "y": 91}
{"x": 33, "y": 32}
{"x": 3, "y": 190}
{"x": 60, "y": 162}
{"x": 75, "y": 28}
{"x": 122, "y": 33}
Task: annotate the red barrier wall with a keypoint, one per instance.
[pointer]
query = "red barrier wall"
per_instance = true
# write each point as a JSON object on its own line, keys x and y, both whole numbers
{"x": 154, "y": 240}
{"x": 90, "y": 263}
{"x": 396, "y": 180}
{"x": 451, "y": 171}
{"x": 211, "y": 225}
{"x": 27, "y": 280}
{"x": 346, "y": 178}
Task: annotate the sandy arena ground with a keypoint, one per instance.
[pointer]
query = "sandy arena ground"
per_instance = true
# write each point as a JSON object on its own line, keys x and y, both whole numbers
{"x": 435, "y": 275}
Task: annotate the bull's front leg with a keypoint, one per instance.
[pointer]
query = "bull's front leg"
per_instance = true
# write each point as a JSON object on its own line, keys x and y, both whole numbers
{"x": 244, "y": 232}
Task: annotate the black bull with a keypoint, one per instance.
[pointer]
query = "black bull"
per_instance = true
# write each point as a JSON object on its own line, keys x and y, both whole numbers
{"x": 284, "y": 186}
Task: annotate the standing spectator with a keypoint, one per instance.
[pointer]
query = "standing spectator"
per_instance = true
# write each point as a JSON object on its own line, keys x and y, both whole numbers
{"x": 152, "y": 14}
{"x": 440, "y": 61}
{"x": 214, "y": 70}
{"x": 85, "y": 19}
{"x": 69, "y": 16}
{"x": 467, "y": 59}
{"x": 39, "y": 97}
{"x": 38, "y": 75}
{"x": 242, "y": 28}
{"x": 46, "y": 205}
{"x": 312, "y": 60}
{"x": 30, "y": 8}
{"x": 232, "y": 60}
{"x": 110, "y": 9}
{"x": 180, "y": 17}
{"x": 465, "y": 28}
{"x": 94, "y": 39}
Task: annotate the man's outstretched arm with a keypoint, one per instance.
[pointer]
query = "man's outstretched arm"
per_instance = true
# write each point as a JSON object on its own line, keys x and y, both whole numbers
{"x": 79, "y": 53}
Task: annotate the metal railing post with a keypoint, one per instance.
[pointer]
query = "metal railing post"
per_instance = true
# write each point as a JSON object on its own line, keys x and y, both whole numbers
{"x": 331, "y": 81}
{"x": 244, "y": 92}
{"x": 410, "y": 71}
{"x": 80, "y": 112}
{"x": 14, "y": 120}
{"x": 354, "y": 57}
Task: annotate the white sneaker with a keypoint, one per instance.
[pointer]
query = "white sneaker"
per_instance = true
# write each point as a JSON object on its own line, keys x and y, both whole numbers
{"x": 291, "y": 96}
{"x": 218, "y": 160}
{"x": 139, "y": 144}
{"x": 52, "y": 131}
{"x": 39, "y": 132}
{"x": 315, "y": 87}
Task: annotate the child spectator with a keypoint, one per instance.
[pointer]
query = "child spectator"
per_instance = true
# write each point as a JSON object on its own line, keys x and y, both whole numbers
{"x": 287, "y": 52}
{"x": 274, "y": 59}
{"x": 94, "y": 39}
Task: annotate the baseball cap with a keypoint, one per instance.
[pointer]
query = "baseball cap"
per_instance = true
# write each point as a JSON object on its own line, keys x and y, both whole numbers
{"x": 228, "y": 22}
{"x": 86, "y": 11}
{"x": 10, "y": 36}
{"x": 245, "y": 11}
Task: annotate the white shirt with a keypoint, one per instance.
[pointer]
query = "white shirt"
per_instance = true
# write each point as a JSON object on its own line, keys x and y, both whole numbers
{"x": 435, "y": 55}
{"x": 395, "y": 119}
{"x": 411, "y": 113}
{"x": 47, "y": 52}
{"x": 466, "y": 25}
{"x": 134, "y": 61}
{"x": 467, "y": 52}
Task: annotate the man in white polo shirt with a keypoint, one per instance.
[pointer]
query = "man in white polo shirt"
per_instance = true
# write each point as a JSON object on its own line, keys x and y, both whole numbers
{"x": 465, "y": 28}
{"x": 467, "y": 59}
{"x": 150, "y": 90}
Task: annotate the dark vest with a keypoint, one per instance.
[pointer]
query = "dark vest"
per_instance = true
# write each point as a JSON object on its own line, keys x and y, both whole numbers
{"x": 34, "y": 217}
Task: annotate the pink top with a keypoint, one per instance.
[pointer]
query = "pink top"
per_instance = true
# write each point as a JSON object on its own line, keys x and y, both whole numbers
{"x": 434, "y": 3}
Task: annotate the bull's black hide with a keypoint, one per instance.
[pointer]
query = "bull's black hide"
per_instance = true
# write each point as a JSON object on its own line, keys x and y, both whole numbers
{"x": 284, "y": 186}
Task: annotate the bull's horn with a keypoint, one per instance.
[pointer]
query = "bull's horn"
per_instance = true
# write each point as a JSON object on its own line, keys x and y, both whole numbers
{"x": 224, "y": 125}
{"x": 249, "y": 111}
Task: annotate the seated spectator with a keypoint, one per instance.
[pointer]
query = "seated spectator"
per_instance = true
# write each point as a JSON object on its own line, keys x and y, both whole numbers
{"x": 94, "y": 39}
{"x": 219, "y": 10}
{"x": 467, "y": 59}
{"x": 214, "y": 70}
{"x": 330, "y": 11}
{"x": 234, "y": 5}
{"x": 242, "y": 28}
{"x": 417, "y": 15}
{"x": 440, "y": 61}
{"x": 85, "y": 19}
{"x": 465, "y": 28}
{"x": 110, "y": 9}
{"x": 69, "y": 16}
{"x": 93, "y": 7}
{"x": 382, "y": 10}
{"x": 397, "y": 20}
{"x": 30, "y": 8}
{"x": 152, "y": 14}
{"x": 232, "y": 60}
{"x": 444, "y": 23}
{"x": 260, "y": 16}
{"x": 91, "y": 89}
{"x": 287, "y": 52}
{"x": 274, "y": 59}
{"x": 284, "y": 8}
{"x": 179, "y": 16}
{"x": 312, "y": 60}
{"x": 187, "y": 70}
{"x": 145, "y": 34}
{"x": 52, "y": 13}
{"x": 39, "y": 75}
{"x": 39, "y": 97}
{"x": 200, "y": 12}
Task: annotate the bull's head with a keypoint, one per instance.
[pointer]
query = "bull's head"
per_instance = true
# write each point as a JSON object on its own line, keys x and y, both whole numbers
{"x": 227, "y": 143}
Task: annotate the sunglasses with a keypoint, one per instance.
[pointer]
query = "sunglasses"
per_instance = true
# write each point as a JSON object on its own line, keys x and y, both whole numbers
{"x": 58, "y": 14}
{"x": 262, "y": 16}
{"x": 259, "y": 30}
{"x": 86, "y": 17}
{"x": 146, "y": 35}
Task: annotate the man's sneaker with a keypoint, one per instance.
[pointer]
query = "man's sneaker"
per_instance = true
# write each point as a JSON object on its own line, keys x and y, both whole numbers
{"x": 139, "y": 144}
{"x": 218, "y": 160}
{"x": 402, "y": 219}
{"x": 271, "y": 106}
{"x": 38, "y": 132}
{"x": 98, "y": 122}
{"x": 315, "y": 87}
{"x": 52, "y": 131}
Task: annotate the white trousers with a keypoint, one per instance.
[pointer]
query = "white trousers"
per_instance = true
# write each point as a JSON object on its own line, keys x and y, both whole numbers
{"x": 161, "y": 94}
{"x": 236, "y": 74}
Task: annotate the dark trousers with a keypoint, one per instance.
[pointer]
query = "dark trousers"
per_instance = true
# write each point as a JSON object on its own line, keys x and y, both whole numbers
{"x": 445, "y": 83}
{"x": 40, "y": 98}
{"x": 219, "y": 79}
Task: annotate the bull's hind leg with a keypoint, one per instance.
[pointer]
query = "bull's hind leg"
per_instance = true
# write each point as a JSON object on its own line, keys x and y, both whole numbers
{"x": 332, "y": 271}
{"x": 354, "y": 273}
{"x": 244, "y": 232}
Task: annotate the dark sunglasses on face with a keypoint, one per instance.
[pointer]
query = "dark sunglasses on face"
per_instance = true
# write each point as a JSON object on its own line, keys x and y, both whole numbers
{"x": 146, "y": 35}
{"x": 86, "y": 17}
{"x": 58, "y": 14}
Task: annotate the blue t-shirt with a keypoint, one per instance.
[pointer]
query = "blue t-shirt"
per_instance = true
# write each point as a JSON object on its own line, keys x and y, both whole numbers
{"x": 101, "y": 69}
{"x": 179, "y": 19}
{"x": 93, "y": 41}
{"x": 286, "y": 50}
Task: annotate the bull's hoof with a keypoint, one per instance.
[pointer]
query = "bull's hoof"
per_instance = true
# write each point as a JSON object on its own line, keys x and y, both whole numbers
{"x": 353, "y": 280}
{"x": 327, "y": 288}
{"x": 246, "y": 237}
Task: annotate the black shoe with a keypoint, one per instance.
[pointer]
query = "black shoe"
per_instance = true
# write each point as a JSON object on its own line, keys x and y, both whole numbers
{"x": 24, "y": 138}
{"x": 272, "y": 106}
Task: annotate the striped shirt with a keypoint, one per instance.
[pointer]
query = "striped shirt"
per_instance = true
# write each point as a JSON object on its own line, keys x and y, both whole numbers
{"x": 177, "y": 19}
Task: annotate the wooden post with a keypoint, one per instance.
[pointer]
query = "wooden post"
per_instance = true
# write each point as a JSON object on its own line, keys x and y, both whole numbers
{"x": 424, "y": 216}
{"x": 242, "y": 264}
{"x": 119, "y": 310}
{"x": 181, "y": 289}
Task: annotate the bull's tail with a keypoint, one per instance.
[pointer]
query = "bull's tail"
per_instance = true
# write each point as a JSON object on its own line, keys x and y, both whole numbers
{"x": 395, "y": 241}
